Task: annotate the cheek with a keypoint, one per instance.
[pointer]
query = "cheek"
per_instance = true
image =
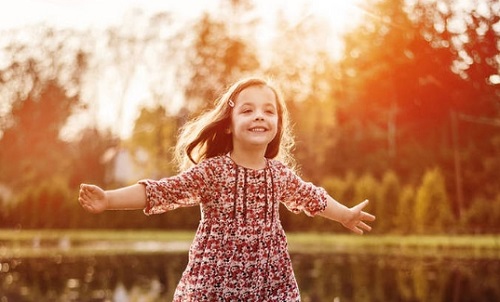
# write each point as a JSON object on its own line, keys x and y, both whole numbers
{"x": 231, "y": 122}
{"x": 277, "y": 124}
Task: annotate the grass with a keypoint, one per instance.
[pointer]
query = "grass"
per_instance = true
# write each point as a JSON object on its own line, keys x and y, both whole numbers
{"x": 463, "y": 246}
{"x": 39, "y": 243}
{"x": 82, "y": 235}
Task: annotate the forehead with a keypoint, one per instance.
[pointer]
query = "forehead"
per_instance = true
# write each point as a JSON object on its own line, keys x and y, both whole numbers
{"x": 256, "y": 95}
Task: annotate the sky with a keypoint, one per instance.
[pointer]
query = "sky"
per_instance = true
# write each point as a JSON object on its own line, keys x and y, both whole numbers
{"x": 85, "y": 14}
{"x": 82, "y": 13}
{"x": 102, "y": 13}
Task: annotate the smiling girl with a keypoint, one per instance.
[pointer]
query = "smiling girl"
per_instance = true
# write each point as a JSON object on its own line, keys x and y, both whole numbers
{"x": 233, "y": 162}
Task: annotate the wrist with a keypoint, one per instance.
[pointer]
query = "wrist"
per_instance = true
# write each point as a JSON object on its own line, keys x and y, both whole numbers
{"x": 107, "y": 200}
{"x": 345, "y": 215}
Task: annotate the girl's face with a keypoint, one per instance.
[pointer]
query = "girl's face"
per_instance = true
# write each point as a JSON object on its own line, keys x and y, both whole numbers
{"x": 254, "y": 118}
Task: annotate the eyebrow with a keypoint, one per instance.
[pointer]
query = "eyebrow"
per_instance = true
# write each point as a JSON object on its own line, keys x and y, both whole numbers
{"x": 267, "y": 104}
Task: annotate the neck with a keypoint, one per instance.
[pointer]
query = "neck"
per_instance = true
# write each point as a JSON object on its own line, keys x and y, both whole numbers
{"x": 253, "y": 159}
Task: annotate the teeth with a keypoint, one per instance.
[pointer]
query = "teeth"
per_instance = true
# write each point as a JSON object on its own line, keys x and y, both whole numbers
{"x": 258, "y": 130}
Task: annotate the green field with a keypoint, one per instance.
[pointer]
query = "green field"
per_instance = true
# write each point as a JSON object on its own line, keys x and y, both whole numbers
{"x": 43, "y": 243}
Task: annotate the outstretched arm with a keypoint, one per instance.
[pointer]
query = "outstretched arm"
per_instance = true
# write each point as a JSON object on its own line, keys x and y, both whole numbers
{"x": 96, "y": 200}
{"x": 352, "y": 218}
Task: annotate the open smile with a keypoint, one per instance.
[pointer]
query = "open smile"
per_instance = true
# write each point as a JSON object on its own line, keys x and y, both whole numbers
{"x": 258, "y": 129}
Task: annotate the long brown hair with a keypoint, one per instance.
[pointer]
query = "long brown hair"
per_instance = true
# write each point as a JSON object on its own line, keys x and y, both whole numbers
{"x": 207, "y": 135}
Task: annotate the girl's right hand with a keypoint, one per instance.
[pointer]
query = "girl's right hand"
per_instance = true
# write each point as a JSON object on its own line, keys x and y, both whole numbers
{"x": 92, "y": 198}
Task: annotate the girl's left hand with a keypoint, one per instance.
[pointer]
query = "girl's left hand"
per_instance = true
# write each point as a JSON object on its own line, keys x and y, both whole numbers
{"x": 356, "y": 220}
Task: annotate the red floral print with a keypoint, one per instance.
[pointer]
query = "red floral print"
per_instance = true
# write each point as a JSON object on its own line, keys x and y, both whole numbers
{"x": 240, "y": 251}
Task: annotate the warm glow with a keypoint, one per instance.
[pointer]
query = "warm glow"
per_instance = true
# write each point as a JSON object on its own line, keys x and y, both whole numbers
{"x": 338, "y": 16}
{"x": 342, "y": 15}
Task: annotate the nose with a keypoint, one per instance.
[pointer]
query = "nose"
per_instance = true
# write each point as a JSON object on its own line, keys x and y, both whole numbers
{"x": 259, "y": 116}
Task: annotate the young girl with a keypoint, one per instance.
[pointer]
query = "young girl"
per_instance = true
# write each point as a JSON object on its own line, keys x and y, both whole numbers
{"x": 233, "y": 166}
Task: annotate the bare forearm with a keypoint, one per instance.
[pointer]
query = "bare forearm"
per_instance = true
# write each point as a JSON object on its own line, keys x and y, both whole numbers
{"x": 336, "y": 211}
{"x": 131, "y": 197}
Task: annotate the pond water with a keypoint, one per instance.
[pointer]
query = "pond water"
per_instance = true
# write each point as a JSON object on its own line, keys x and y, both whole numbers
{"x": 321, "y": 277}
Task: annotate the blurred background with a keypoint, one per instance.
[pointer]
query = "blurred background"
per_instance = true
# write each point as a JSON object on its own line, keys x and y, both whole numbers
{"x": 394, "y": 101}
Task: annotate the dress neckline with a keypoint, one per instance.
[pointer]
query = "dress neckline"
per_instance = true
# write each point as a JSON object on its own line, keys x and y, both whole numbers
{"x": 228, "y": 155}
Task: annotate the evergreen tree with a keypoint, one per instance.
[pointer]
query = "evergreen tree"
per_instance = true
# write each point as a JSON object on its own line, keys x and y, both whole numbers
{"x": 432, "y": 206}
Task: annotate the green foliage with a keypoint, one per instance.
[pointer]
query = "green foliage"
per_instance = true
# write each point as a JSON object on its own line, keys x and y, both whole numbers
{"x": 314, "y": 136}
{"x": 483, "y": 216}
{"x": 388, "y": 202}
{"x": 43, "y": 205}
{"x": 365, "y": 188}
{"x": 31, "y": 148}
{"x": 432, "y": 206}
{"x": 154, "y": 135}
{"x": 378, "y": 119}
{"x": 88, "y": 163}
{"x": 405, "y": 218}
{"x": 338, "y": 188}
{"x": 216, "y": 59}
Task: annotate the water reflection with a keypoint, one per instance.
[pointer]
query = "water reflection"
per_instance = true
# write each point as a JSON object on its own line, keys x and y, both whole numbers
{"x": 321, "y": 277}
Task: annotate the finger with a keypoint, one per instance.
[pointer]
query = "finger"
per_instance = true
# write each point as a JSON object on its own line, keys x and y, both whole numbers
{"x": 357, "y": 230}
{"x": 93, "y": 191}
{"x": 367, "y": 216}
{"x": 360, "y": 205}
{"x": 82, "y": 202}
{"x": 364, "y": 226}
{"x": 83, "y": 187}
{"x": 84, "y": 194}
{"x": 90, "y": 192}
{"x": 87, "y": 208}
{"x": 83, "y": 190}
{"x": 86, "y": 188}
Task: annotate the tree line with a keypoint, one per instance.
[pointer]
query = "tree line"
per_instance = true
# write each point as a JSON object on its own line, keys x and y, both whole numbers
{"x": 407, "y": 117}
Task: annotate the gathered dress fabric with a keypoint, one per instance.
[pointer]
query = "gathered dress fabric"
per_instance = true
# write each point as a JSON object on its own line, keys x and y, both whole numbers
{"x": 240, "y": 250}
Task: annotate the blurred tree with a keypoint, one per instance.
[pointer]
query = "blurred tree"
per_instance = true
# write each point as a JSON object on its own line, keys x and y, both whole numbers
{"x": 32, "y": 155}
{"x": 300, "y": 62}
{"x": 217, "y": 58}
{"x": 31, "y": 147}
{"x": 315, "y": 123}
{"x": 40, "y": 87}
{"x": 366, "y": 187}
{"x": 483, "y": 216}
{"x": 44, "y": 204}
{"x": 154, "y": 135}
{"x": 88, "y": 162}
{"x": 388, "y": 202}
{"x": 471, "y": 32}
{"x": 405, "y": 72}
{"x": 432, "y": 206}
{"x": 396, "y": 93}
{"x": 341, "y": 189}
{"x": 137, "y": 53}
{"x": 405, "y": 221}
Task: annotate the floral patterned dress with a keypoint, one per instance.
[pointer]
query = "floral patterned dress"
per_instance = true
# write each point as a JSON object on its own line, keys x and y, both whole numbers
{"x": 239, "y": 252}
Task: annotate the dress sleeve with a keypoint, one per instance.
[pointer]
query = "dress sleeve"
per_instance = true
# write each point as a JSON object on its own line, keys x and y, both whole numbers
{"x": 182, "y": 190}
{"x": 301, "y": 196}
